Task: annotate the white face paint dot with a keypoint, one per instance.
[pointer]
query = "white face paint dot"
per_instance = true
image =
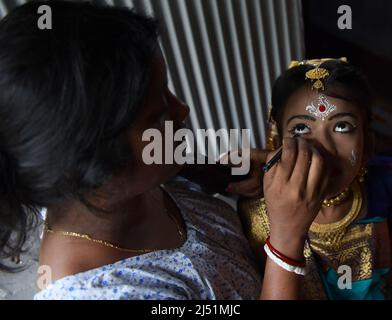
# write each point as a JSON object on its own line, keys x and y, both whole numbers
{"x": 353, "y": 158}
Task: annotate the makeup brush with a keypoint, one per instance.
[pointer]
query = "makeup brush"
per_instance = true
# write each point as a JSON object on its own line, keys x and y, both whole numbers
{"x": 276, "y": 157}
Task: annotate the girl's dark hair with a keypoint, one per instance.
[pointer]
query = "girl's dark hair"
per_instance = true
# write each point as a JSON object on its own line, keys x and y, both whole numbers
{"x": 67, "y": 96}
{"x": 344, "y": 82}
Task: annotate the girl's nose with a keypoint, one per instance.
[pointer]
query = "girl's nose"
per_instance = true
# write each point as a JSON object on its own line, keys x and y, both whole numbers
{"x": 326, "y": 146}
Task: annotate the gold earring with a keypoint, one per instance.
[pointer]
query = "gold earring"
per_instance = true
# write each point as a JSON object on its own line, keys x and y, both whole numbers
{"x": 272, "y": 135}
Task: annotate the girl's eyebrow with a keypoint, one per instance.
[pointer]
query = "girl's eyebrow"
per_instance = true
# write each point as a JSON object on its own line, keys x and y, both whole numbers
{"x": 301, "y": 116}
{"x": 338, "y": 115}
{"x": 343, "y": 114}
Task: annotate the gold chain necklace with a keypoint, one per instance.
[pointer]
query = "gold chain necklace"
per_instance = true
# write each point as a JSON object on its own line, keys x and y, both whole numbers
{"x": 350, "y": 217}
{"x": 105, "y": 243}
{"x": 336, "y": 200}
{"x": 345, "y": 193}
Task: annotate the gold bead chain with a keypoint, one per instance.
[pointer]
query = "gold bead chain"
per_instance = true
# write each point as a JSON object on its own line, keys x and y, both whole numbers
{"x": 105, "y": 243}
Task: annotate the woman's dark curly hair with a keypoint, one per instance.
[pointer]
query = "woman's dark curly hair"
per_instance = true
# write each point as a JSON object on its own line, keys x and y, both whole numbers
{"x": 344, "y": 82}
{"x": 67, "y": 96}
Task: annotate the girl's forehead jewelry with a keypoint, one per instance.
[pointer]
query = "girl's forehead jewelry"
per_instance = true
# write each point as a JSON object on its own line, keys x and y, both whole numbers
{"x": 317, "y": 74}
{"x": 322, "y": 109}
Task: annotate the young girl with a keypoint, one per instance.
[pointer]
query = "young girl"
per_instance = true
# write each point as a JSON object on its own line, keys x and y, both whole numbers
{"x": 74, "y": 103}
{"x": 328, "y": 238}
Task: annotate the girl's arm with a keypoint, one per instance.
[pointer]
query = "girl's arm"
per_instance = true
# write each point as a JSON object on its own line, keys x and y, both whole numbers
{"x": 279, "y": 283}
{"x": 293, "y": 191}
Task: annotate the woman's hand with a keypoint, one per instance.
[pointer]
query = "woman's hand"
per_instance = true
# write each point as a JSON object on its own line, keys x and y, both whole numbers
{"x": 293, "y": 191}
{"x": 252, "y": 185}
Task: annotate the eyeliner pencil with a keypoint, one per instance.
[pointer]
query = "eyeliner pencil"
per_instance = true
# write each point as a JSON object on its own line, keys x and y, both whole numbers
{"x": 276, "y": 157}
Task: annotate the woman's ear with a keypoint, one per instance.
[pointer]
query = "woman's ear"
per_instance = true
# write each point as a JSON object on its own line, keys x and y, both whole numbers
{"x": 370, "y": 146}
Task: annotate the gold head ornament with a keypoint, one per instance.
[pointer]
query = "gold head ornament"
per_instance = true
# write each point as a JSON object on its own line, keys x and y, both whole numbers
{"x": 317, "y": 74}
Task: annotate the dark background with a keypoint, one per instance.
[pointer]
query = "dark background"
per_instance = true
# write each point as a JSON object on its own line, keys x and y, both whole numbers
{"x": 367, "y": 45}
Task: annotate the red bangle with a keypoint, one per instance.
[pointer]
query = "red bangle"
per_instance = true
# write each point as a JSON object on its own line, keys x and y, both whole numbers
{"x": 286, "y": 259}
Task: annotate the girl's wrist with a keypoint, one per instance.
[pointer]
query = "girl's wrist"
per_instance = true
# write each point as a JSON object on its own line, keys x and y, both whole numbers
{"x": 290, "y": 246}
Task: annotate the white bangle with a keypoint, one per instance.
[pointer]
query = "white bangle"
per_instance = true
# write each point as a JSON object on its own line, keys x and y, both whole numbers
{"x": 282, "y": 264}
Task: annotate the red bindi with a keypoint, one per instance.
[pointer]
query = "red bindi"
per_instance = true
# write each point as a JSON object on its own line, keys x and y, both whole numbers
{"x": 322, "y": 108}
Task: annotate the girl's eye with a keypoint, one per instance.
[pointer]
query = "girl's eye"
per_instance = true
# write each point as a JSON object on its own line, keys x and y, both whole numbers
{"x": 344, "y": 127}
{"x": 300, "y": 129}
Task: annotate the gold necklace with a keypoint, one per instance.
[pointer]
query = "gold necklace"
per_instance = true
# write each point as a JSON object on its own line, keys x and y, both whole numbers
{"x": 337, "y": 199}
{"x": 345, "y": 193}
{"x": 350, "y": 217}
{"x": 105, "y": 243}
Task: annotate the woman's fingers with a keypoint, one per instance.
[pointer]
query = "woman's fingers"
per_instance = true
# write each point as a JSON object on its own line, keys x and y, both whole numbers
{"x": 316, "y": 176}
{"x": 252, "y": 184}
{"x": 258, "y": 156}
{"x": 245, "y": 187}
{"x": 268, "y": 177}
{"x": 257, "y": 192}
{"x": 288, "y": 159}
{"x": 300, "y": 173}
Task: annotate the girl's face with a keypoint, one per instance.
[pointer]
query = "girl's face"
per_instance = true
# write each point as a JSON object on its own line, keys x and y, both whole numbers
{"x": 335, "y": 126}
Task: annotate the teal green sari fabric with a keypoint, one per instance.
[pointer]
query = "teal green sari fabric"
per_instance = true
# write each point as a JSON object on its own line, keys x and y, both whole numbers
{"x": 367, "y": 289}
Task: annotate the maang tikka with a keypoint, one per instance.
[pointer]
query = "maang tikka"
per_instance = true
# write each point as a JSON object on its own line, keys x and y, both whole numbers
{"x": 317, "y": 74}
